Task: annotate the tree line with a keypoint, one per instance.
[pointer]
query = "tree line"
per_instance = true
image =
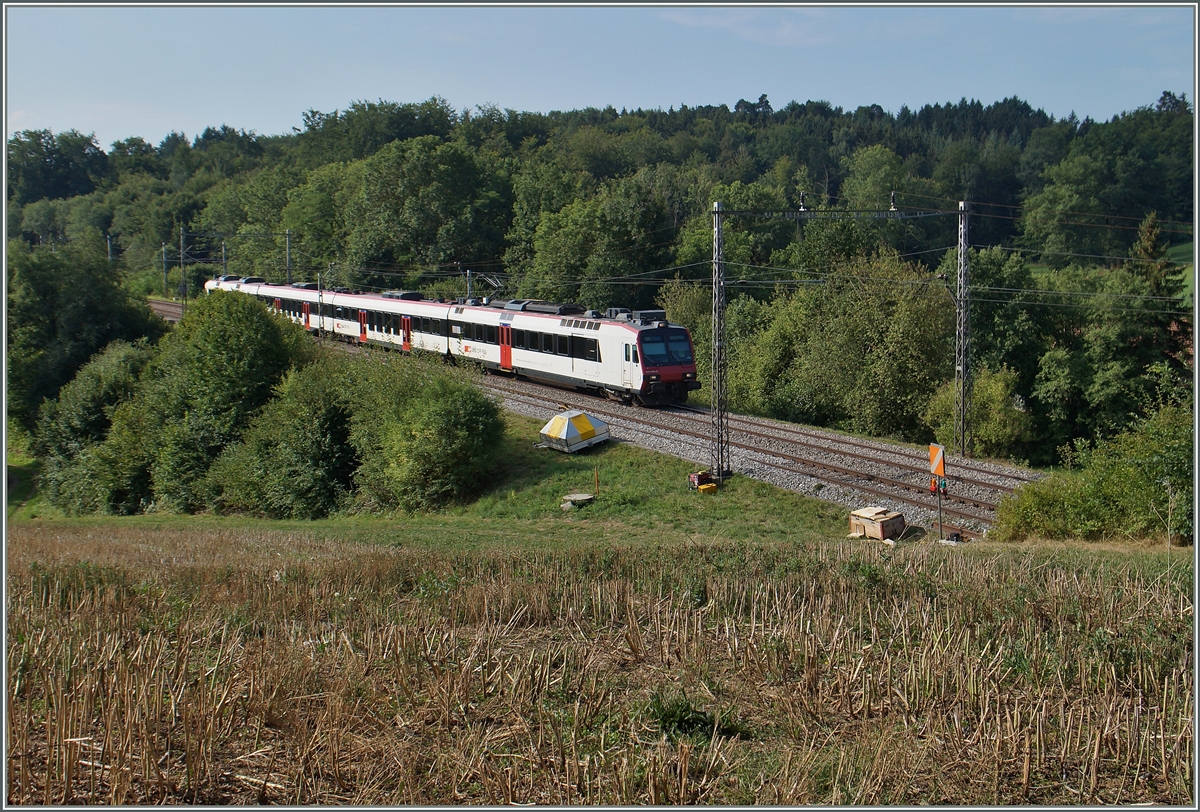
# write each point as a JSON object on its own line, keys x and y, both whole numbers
{"x": 1078, "y": 321}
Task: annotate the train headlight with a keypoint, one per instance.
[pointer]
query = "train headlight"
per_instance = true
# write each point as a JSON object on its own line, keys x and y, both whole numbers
{"x": 653, "y": 377}
{"x": 687, "y": 376}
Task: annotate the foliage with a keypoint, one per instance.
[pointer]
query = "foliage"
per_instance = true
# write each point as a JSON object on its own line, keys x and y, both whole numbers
{"x": 997, "y": 415}
{"x": 593, "y": 248}
{"x": 862, "y": 350}
{"x": 81, "y": 415}
{"x": 1138, "y": 162}
{"x": 602, "y": 205}
{"x": 1138, "y": 484}
{"x": 425, "y": 439}
{"x": 426, "y": 202}
{"x": 62, "y": 307}
{"x": 208, "y": 377}
{"x": 295, "y": 460}
{"x": 42, "y": 165}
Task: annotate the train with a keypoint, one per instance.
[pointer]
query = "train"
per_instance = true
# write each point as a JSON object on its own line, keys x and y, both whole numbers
{"x": 634, "y": 356}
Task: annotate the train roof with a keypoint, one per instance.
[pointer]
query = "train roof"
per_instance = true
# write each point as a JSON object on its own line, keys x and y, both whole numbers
{"x": 533, "y": 307}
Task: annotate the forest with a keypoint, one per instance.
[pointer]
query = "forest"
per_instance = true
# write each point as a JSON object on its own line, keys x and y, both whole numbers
{"x": 1080, "y": 231}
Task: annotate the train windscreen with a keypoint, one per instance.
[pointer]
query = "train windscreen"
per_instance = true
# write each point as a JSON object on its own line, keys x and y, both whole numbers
{"x": 661, "y": 348}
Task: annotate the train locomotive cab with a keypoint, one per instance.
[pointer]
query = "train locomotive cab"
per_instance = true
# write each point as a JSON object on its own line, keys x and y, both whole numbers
{"x": 668, "y": 366}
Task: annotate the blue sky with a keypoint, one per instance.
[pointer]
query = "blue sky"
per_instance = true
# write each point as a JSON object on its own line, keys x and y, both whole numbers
{"x": 145, "y": 71}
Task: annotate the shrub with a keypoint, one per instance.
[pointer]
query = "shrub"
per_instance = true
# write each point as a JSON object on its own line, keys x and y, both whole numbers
{"x": 207, "y": 378}
{"x": 82, "y": 414}
{"x": 113, "y": 476}
{"x": 295, "y": 460}
{"x": 999, "y": 424}
{"x": 443, "y": 449}
{"x": 1136, "y": 484}
{"x": 63, "y": 306}
{"x": 425, "y": 436}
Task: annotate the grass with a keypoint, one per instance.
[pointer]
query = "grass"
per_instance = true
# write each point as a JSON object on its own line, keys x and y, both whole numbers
{"x": 658, "y": 646}
{"x": 1184, "y": 255}
{"x": 24, "y": 501}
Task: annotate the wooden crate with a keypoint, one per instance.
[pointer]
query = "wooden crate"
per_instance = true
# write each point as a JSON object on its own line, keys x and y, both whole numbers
{"x": 876, "y": 523}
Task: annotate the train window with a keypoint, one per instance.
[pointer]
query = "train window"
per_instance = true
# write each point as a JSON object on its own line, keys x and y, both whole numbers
{"x": 635, "y": 354}
{"x": 547, "y": 342}
{"x": 518, "y": 339}
{"x": 626, "y": 352}
{"x": 585, "y": 348}
{"x": 564, "y": 345}
{"x": 491, "y": 334}
{"x": 456, "y": 329}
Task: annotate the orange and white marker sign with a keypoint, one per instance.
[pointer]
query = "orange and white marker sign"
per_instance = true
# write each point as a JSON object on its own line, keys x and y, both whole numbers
{"x": 937, "y": 460}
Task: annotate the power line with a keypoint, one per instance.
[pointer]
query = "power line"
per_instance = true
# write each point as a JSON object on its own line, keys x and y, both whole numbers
{"x": 1081, "y": 256}
{"x": 1021, "y": 207}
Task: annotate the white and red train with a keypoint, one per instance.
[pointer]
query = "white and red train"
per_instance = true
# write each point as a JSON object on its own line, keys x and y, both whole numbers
{"x": 632, "y": 356}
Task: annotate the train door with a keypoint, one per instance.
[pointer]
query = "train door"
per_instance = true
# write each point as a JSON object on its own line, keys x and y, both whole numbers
{"x": 307, "y": 310}
{"x": 629, "y": 366}
{"x": 406, "y": 333}
{"x": 362, "y": 325}
{"x": 506, "y": 347}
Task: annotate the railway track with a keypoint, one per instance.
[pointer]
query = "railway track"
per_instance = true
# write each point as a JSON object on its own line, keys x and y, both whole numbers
{"x": 840, "y": 469}
{"x": 169, "y": 311}
{"x": 914, "y": 460}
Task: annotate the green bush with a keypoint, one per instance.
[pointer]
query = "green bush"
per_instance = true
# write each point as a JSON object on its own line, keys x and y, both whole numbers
{"x": 425, "y": 436}
{"x": 445, "y": 446}
{"x": 999, "y": 424}
{"x": 295, "y": 460}
{"x": 82, "y": 414}
{"x": 1138, "y": 484}
{"x": 197, "y": 394}
{"x": 62, "y": 307}
{"x": 113, "y": 476}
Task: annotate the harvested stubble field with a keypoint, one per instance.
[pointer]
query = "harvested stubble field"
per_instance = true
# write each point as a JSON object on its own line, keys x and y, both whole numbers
{"x": 222, "y": 663}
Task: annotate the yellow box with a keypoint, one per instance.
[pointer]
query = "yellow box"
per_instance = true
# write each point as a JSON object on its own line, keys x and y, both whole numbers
{"x": 708, "y": 487}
